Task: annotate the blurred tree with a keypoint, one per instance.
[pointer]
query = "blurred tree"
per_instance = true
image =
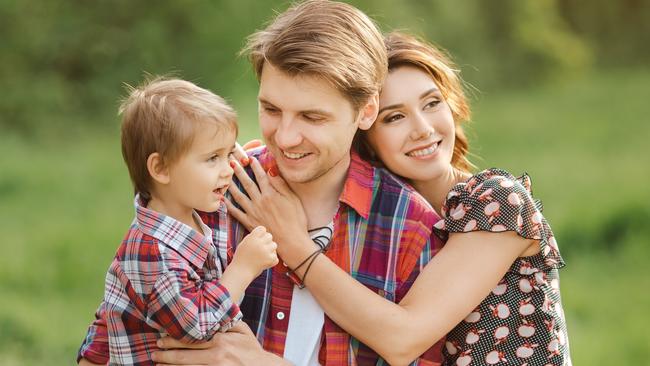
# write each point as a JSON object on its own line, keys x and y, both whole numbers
{"x": 619, "y": 31}
{"x": 64, "y": 62}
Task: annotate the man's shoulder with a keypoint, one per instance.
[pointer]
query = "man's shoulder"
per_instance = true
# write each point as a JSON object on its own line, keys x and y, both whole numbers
{"x": 395, "y": 189}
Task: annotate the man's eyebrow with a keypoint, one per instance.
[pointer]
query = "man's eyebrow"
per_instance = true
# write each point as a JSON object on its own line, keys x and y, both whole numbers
{"x": 264, "y": 101}
{"x": 317, "y": 111}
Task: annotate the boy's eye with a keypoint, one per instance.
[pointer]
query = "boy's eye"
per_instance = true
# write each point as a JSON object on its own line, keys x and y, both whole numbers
{"x": 213, "y": 158}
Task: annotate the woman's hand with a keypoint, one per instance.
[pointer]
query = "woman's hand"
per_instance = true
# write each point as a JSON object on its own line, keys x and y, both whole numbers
{"x": 272, "y": 205}
{"x": 240, "y": 151}
{"x": 238, "y": 346}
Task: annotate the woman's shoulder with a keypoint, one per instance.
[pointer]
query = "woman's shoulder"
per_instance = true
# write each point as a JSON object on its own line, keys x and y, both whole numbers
{"x": 494, "y": 200}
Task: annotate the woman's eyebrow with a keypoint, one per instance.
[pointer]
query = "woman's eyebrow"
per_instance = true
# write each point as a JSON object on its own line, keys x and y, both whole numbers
{"x": 392, "y": 106}
{"x": 430, "y": 91}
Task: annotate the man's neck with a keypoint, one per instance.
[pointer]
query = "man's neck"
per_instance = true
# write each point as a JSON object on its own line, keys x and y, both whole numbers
{"x": 320, "y": 197}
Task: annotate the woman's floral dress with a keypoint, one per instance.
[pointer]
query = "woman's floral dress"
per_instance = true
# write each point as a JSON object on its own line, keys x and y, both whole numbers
{"x": 521, "y": 322}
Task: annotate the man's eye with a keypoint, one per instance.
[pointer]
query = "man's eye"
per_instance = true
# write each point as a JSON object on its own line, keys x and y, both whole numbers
{"x": 312, "y": 118}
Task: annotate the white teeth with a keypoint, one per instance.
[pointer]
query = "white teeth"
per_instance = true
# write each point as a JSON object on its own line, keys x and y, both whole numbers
{"x": 424, "y": 152}
{"x": 294, "y": 155}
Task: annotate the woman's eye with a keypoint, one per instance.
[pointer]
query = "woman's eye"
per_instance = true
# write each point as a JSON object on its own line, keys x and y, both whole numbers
{"x": 432, "y": 104}
{"x": 393, "y": 117}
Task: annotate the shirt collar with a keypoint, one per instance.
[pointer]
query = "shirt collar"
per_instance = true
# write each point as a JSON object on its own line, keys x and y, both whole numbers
{"x": 359, "y": 182}
{"x": 190, "y": 244}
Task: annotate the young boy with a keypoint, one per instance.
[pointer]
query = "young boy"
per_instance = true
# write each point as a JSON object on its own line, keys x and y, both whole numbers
{"x": 167, "y": 276}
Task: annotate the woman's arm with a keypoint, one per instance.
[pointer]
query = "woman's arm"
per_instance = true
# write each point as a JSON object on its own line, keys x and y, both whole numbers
{"x": 456, "y": 280}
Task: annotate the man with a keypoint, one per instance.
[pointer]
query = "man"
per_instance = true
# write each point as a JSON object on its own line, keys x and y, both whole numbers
{"x": 320, "y": 65}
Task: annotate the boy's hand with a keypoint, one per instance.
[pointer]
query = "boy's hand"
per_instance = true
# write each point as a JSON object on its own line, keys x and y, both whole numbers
{"x": 256, "y": 251}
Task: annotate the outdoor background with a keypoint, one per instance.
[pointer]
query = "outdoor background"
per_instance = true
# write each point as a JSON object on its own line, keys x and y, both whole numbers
{"x": 560, "y": 89}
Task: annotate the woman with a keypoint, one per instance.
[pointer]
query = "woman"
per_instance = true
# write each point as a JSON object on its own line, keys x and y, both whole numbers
{"x": 493, "y": 290}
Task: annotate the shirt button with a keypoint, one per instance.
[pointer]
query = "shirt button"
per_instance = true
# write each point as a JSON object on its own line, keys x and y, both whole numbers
{"x": 279, "y": 315}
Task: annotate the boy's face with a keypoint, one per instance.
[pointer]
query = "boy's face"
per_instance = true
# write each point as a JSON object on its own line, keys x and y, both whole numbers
{"x": 201, "y": 176}
{"x": 308, "y": 125}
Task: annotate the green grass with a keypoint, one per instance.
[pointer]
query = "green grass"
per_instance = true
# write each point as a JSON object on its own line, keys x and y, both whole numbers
{"x": 66, "y": 202}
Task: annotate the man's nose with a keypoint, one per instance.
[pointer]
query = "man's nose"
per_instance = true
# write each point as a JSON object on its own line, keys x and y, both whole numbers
{"x": 288, "y": 133}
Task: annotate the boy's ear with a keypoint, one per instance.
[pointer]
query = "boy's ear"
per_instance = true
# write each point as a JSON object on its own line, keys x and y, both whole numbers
{"x": 158, "y": 171}
{"x": 368, "y": 113}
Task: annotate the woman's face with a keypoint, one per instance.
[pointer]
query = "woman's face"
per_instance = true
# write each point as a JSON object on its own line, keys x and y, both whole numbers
{"x": 414, "y": 131}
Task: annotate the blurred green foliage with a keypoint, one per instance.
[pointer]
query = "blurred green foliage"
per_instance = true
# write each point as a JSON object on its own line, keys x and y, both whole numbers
{"x": 560, "y": 89}
{"x": 64, "y": 62}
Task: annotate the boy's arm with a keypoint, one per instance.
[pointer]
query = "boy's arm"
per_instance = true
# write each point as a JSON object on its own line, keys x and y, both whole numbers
{"x": 192, "y": 310}
{"x": 185, "y": 307}
{"x": 94, "y": 347}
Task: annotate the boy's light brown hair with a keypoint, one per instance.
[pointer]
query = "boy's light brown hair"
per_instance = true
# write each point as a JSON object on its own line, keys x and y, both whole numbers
{"x": 163, "y": 115}
{"x": 330, "y": 40}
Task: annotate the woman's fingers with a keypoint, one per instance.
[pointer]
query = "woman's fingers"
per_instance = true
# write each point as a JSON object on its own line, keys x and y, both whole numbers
{"x": 240, "y": 215}
{"x": 253, "y": 144}
{"x": 247, "y": 183}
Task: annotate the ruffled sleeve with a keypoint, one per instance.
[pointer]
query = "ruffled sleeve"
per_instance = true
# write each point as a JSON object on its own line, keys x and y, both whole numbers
{"x": 494, "y": 200}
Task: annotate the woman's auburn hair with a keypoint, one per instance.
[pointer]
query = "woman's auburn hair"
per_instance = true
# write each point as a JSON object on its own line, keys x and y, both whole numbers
{"x": 407, "y": 50}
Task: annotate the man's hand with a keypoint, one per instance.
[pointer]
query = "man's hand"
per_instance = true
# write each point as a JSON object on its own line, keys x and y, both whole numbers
{"x": 238, "y": 346}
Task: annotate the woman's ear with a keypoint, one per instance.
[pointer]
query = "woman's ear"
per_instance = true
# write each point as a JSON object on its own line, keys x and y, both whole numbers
{"x": 368, "y": 113}
{"x": 157, "y": 168}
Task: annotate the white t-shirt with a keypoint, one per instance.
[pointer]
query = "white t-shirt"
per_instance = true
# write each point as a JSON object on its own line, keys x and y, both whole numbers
{"x": 307, "y": 318}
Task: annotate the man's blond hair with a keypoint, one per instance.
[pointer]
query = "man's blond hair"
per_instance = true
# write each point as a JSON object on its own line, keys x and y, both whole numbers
{"x": 163, "y": 115}
{"x": 330, "y": 40}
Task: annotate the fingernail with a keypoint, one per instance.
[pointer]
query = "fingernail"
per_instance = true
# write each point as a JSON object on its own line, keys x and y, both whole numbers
{"x": 273, "y": 171}
{"x": 232, "y": 164}
{"x": 159, "y": 343}
{"x": 244, "y": 161}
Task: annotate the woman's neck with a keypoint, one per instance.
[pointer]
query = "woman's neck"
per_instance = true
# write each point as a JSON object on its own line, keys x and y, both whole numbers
{"x": 435, "y": 190}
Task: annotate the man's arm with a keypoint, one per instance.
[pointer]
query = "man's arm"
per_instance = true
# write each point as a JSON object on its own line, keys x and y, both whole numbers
{"x": 238, "y": 346}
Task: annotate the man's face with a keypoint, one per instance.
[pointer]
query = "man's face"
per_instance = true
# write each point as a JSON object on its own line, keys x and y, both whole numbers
{"x": 308, "y": 125}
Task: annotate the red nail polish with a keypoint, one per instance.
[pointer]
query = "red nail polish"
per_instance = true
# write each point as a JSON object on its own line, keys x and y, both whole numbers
{"x": 244, "y": 161}
{"x": 273, "y": 171}
{"x": 232, "y": 164}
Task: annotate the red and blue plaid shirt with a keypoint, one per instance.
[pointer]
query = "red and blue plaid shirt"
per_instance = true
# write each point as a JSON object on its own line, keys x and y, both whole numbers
{"x": 164, "y": 279}
{"x": 382, "y": 238}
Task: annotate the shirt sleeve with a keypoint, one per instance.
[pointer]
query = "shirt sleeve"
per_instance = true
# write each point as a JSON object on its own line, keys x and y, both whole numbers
{"x": 495, "y": 201}
{"x": 186, "y": 307}
{"x": 419, "y": 250}
{"x": 94, "y": 347}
